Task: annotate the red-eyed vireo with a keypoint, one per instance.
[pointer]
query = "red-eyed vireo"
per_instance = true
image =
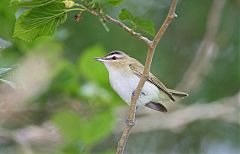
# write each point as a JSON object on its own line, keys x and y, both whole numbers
{"x": 124, "y": 74}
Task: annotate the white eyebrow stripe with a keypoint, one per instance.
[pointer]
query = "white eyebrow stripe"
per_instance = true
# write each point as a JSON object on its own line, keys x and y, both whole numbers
{"x": 114, "y": 55}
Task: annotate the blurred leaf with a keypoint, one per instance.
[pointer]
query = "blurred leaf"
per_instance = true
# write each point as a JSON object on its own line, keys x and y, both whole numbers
{"x": 126, "y": 15}
{"x": 142, "y": 24}
{"x": 92, "y": 92}
{"x": 64, "y": 73}
{"x": 90, "y": 68}
{"x": 69, "y": 124}
{"x": 115, "y": 2}
{"x": 4, "y": 71}
{"x": 11, "y": 84}
{"x": 145, "y": 25}
{"x": 40, "y": 21}
{"x": 97, "y": 127}
{"x": 66, "y": 80}
{"x": 109, "y": 152}
{"x": 4, "y": 44}
{"x": 72, "y": 148}
{"x": 112, "y": 2}
{"x": 104, "y": 24}
{"x": 7, "y": 20}
{"x": 73, "y": 127}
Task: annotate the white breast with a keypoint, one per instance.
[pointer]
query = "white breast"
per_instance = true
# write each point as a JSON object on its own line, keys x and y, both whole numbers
{"x": 124, "y": 83}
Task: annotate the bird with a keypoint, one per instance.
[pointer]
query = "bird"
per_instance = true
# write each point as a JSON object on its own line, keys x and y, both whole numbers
{"x": 125, "y": 73}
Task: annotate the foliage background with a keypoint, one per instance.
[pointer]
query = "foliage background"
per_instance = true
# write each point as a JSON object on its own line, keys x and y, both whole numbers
{"x": 67, "y": 105}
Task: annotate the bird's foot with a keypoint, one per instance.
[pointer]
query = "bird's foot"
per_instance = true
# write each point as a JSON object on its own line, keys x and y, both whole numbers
{"x": 133, "y": 93}
{"x": 141, "y": 94}
{"x": 130, "y": 122}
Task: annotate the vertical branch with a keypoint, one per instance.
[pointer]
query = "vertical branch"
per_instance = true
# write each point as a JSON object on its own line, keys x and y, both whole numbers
{"x": 151, "y": 48}
{"x": 207, "y": 49}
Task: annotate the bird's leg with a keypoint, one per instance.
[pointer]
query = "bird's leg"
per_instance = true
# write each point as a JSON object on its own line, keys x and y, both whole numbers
{"x": 133, "y": 93}
{"x": 133, "y": 122}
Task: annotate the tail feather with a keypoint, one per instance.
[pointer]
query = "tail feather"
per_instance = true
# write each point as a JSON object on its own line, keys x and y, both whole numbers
{"x": 177, "y": 93}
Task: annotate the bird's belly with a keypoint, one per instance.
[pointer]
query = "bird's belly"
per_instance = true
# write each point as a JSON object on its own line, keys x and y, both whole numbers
{"x": 125, "y": 85}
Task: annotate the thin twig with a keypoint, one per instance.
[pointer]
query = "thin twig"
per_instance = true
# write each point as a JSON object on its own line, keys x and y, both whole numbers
{"x": 151, "y": 49}
{"x": 122, "y": 25}
{"x": 206, "y": 52}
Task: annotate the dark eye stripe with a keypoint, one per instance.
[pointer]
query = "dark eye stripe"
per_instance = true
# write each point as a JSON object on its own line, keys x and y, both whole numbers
{"x": 115, "y": 53}
{"x": 112, "y": 58}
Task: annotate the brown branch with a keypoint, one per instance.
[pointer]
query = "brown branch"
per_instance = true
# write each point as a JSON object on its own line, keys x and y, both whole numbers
{"x": 129, "y": 30}
{"x": 122, "y": 25}
{"x": 45, "y": 137}
{"x": 206, "y": 52}
{"x": 151, "y": 49}
{"x": 226, "y": 109}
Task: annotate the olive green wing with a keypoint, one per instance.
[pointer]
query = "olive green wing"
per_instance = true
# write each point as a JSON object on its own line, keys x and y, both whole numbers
{"x": 137, "y": 68}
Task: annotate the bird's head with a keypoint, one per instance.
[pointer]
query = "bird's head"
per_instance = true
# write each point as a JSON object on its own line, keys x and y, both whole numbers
{"x": 116, "y": 59}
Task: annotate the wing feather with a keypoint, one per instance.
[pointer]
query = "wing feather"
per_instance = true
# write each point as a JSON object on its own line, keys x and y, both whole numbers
{"x": 137, "y": 68}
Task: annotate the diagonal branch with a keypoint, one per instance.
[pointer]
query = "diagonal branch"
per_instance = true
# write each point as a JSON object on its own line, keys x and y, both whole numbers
{"x": 129, "y": 30}
{"x": 225, "y": 109}
{"x": 122, "y": 25}
{"x": 151, "y": 48}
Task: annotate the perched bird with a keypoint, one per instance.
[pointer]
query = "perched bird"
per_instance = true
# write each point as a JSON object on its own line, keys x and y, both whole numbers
{"x": 124, "y": 75}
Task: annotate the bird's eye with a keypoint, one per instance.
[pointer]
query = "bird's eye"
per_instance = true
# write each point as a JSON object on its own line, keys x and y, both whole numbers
{"x": 114, "y": 58}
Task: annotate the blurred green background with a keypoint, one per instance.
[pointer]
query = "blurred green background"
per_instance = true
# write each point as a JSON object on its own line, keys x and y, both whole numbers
{"x": 63, "y": 102}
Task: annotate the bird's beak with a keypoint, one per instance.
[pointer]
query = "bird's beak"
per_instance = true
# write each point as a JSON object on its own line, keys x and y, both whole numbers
{"x": 101, "y": 59}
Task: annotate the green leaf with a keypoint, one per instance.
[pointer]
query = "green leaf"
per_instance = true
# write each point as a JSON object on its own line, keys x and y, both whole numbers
{"x": 126, "y": 15}
{"x": 4, "y": 71}
{"x": 31, "y": 4}
{"x": 145, "y": 25}
{"x": 115, "y": 2}
{"x": 90, "y": 68}
{"x": 139, "y": 23}
{"x": 40, "y": 21}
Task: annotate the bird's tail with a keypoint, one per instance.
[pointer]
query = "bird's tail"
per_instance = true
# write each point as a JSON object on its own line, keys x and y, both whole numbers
{"x": 159, "y": 107}
{"x": 178, "y": 93}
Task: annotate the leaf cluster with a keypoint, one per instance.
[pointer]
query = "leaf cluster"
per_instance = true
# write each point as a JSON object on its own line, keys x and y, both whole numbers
{"x": 38, "y": 18}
